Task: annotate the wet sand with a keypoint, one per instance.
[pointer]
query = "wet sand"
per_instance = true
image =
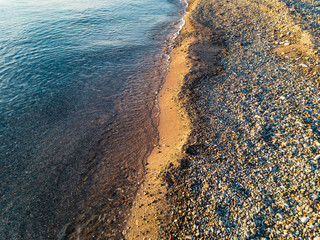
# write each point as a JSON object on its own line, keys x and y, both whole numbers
{"x": 151, "y": 212}
{"x": 246, "y": 163}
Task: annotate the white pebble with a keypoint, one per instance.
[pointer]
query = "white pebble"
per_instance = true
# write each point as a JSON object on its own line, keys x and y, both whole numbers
{"x": 305, "y": 219}
{"x": 317, "y": 157}
{"x": 279, "y": 215}
{"x": 303, "y": 65}
{"x": 314, "y": 196}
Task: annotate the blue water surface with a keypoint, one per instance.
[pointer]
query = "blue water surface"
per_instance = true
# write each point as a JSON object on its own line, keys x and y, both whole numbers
{"x": 78, "y": 80}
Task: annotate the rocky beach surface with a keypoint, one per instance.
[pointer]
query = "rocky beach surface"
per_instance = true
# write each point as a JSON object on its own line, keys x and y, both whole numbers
{"x": 251, "y": 164}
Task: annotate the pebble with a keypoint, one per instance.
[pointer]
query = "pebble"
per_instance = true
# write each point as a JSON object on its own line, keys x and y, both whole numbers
{"x": 304, "y": 219}
{"x": 303, "y": 65}
{"x": 257, "y": 128}
{"x": 311, "y": 226}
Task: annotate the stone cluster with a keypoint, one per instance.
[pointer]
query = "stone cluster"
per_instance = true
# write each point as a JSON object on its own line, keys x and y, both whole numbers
{"x": 251, "y": 169}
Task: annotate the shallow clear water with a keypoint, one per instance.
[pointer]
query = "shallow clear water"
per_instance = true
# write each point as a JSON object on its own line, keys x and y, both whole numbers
{"x": 78, "y": 82}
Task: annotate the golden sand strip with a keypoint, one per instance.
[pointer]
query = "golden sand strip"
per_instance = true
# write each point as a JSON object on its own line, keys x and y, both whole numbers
{"x": 150, "y": 209}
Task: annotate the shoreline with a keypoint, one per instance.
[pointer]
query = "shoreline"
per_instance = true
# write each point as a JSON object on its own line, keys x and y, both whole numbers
{"x": 251, "y": 159}
{"x": 150, "y": 210}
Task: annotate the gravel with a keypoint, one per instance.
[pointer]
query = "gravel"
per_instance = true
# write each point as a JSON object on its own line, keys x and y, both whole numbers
{"x": 251, "y": 169}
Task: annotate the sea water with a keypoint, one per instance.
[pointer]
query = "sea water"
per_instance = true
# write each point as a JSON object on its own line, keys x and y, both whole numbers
{"x": 78, "y": 87}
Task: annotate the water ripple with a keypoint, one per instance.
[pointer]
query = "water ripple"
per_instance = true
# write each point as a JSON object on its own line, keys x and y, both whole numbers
{"x": 77, "y": 90}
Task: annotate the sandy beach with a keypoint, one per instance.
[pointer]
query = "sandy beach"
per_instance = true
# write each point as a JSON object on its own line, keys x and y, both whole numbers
{"x": 151, "y": 210}
{"x": 239, "y": 150}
